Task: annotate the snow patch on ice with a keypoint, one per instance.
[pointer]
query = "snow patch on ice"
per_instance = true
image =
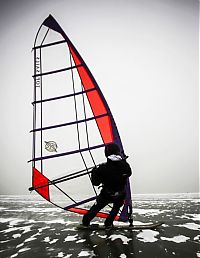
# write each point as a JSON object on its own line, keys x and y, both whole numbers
{"x": 190, "y": 216}
{"x": 71, "y": 238}
{"x": 60, "y": 221}
{"x": 26, "y": 229}
{"x": 24, "y": 249}
{"x": 16, "y": 235}
{"x": 53, "y": 241}
{"x": 84, "y": 253}
{"x": 198, "y": 254}
{"x": 192, "y": 226}
{"x": 122, "y": 256}
{"x": 195, "y": 216}
{"x": 1, "y": 242}
{"x": 197, "y": 238}
{"x": 165, "y": 225}
{"x": 31, "y": 238}
{"x": 20, "y": 245}
{"x": 80, "y": 241}
{"x": 5, "y": 220}
{"x": 61, "y": 254}
{"x": 147, "y": 236}
{"x": 14, "y": 222}
{"x": 136, "y": 222}
{"x": 47, "y": 239}
{"x": 8, "y": 230}
{"x": 102, "y": 236}
{"x": 176, "y": 239}
{"x": 124, "y": 239}
{"x": 70, "y": 222}
{"x": 40, "y": 229}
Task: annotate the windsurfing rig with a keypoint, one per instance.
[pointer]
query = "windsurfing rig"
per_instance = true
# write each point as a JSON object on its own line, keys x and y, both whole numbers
{"x": 72, "y": 123}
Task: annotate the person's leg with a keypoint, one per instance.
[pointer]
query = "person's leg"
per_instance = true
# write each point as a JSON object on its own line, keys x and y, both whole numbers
{"x": 113, "y": 213}
{"x": 101, "y": 202}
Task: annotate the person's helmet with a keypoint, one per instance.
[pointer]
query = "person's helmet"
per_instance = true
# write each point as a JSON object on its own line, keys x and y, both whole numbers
{"x": 112, "y": 148}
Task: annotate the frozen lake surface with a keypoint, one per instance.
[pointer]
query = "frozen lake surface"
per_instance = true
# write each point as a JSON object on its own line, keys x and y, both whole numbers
{"x": 31, "y": 227}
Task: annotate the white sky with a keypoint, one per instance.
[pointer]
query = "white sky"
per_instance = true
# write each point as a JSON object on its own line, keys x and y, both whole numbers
{"x": 144, "y": 56}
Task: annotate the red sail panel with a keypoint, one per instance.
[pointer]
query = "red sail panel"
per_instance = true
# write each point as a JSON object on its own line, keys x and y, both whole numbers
{"x": 85, "y": 78}
{"x": 96, "y": 102}
{"x": 40, "y": 180}
{"x": 84, "y": 211}
{"x": 105, "y": 128}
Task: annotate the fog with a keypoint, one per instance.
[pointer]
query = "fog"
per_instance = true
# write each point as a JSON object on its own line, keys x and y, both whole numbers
{"x": 144, "y": 56}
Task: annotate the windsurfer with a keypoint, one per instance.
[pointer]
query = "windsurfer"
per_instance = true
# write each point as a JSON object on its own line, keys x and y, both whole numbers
{"x": 113, "y": 176}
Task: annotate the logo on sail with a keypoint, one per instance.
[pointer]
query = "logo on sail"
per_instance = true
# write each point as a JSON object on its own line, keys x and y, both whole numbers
{"x": 51, "y": 146}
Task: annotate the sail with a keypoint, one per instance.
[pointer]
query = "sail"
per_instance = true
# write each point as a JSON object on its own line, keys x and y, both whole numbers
{"x": 72, "y": 123}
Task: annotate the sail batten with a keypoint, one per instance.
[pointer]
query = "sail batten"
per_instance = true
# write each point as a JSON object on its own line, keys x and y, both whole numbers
{"x": 49, "y": 44}
{"x": 70, "y": 123}
{"x": 80, "y": 203}
{"x": 56, "y": 71}
{"x": 63, "y": 178}
{"x": 68, "y": 153}
{"x": 64, "y": 96}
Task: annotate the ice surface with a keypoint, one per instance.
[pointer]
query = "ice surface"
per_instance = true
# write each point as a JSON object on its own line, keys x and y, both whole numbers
{"x": 43, "y": 210}
{"x": 37, "y": 224}
{"x": 149, "y": 211}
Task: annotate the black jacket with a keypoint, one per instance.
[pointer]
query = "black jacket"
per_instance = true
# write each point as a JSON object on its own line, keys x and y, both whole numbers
{"x": 112, "y": 175}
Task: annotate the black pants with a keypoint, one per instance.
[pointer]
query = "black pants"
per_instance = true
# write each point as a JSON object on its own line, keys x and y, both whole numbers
{"x": 102, "y": 200}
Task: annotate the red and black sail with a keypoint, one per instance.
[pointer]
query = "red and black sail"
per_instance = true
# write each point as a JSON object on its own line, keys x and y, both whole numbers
{"x": 90, "y": 111}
